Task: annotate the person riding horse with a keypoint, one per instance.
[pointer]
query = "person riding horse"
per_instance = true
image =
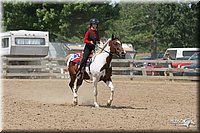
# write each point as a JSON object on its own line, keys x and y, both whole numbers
{"x": 91, "y": 39}
{"x": 100, "y": 69}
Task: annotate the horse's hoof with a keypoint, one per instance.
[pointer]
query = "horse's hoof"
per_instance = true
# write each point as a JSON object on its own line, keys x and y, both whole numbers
{"x": 109, "y": 103}
{"x": 96, "y": 105}
{"x": 75, "y": 102}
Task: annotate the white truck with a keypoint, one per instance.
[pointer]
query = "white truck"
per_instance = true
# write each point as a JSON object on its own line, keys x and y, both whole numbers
{"x": 180, "y": 53}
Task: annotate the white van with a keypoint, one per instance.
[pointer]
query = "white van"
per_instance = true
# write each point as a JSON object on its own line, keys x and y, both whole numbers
{"x": 180, "y": 53}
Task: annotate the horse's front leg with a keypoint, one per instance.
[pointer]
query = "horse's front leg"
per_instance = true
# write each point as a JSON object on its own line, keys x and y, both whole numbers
{"x": 75, "y": 96}
{"x": 110, "y": 85}
{"x": 95, "y": 81}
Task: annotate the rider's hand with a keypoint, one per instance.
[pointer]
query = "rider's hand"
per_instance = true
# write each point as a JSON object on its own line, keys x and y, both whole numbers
{"x": 91, "y": 42}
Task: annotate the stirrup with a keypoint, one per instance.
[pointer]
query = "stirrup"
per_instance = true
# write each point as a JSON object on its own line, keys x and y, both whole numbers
{"x": 79, "y": 75}
{"x": 79, "y": 71}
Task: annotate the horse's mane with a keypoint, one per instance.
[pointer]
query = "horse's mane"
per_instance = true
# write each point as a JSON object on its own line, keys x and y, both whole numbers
{"x": 107, "y": 48}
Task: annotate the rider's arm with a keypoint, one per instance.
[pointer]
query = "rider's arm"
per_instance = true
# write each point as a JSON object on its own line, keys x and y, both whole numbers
{"x": 86, "y": 38}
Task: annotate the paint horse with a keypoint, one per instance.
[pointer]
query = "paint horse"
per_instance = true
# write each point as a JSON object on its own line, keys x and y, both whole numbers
{"x": 100, "y": 70}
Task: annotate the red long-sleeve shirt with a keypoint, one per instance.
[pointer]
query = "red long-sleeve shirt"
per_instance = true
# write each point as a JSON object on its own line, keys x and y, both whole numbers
{"x": 87, "y": 36}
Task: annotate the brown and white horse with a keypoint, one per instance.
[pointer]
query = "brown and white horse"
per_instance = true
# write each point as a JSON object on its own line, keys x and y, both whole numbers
{"x": 100, "y": 70}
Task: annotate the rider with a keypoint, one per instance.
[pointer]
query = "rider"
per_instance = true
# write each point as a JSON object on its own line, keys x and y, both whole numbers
{"x": 91, "y": 38}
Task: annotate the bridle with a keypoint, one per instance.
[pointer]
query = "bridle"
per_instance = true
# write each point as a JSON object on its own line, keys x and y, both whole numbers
{"x": 115, "y": 52}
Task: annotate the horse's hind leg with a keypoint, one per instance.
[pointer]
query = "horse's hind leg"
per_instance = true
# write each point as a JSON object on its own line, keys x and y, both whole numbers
{"x": 110, "y": 85}
{"x": 71, "y": 83}
{"x": 74, "y": 89}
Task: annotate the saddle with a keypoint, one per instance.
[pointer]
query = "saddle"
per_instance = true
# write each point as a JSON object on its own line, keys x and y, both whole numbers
{"x": 77, "y": 57}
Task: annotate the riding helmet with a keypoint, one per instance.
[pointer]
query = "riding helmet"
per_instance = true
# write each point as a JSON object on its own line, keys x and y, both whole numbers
{"x": 94, "y": 21}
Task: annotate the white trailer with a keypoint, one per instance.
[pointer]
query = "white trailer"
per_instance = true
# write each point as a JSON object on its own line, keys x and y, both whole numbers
{"x": 23, "y": 43}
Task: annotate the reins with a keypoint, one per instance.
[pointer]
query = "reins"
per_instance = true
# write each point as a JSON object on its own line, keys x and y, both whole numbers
{"x": 113, "y": 54}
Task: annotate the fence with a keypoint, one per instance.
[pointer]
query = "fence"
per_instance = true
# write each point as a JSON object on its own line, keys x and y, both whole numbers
{"x": 54, "y": 68}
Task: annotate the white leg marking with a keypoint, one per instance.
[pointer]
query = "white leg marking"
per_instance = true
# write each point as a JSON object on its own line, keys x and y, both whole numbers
{"x": 95, "y": 91}
{"x": 110, "y": 85}
{"x": 75, "y": 99}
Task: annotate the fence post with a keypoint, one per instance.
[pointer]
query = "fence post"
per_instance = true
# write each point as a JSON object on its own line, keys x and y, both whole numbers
{"x": 4, "y": 66}
{"x": 50, "y": 68}
{"x": 170, "y": 72}
{"x": 144, "y": 71}
{"x": 131, "y": 69}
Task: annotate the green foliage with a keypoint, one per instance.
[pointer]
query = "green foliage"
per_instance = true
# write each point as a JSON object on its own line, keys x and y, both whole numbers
{"x": 63, "y": 21}
{"x": 149, "y": 27}
{"x": 152, "y": 27}
{"x": 18, "y": 16}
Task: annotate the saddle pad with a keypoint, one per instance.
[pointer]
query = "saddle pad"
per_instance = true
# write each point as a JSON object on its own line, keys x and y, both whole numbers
{"x": 76, "y": 57}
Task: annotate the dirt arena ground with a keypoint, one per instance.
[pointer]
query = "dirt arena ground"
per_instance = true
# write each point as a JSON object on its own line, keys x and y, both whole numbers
{"x": 45, "y": 105}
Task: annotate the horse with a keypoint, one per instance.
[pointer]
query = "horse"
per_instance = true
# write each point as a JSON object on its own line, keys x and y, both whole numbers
{"x": 100, "y": 69}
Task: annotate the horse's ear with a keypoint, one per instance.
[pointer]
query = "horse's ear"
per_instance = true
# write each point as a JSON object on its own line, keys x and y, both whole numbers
{"x": 113, "y": 36}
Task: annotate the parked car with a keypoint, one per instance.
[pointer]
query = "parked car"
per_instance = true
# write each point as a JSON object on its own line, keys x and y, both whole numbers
{"x": 149, "y": 65}
{"x": 155, "y": 65}
{"x": 195, "y": 56}
{"x": 194, "y": 66}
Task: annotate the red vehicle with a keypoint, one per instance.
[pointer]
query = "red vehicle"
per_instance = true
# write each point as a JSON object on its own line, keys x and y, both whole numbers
{"x": 154, "y": 73}
{"x": 195, "y": 56}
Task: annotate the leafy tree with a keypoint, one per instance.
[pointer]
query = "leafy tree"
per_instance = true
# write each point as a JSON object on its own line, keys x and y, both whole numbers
{"x": 149, "y": 27}
{"x": 65, "y": 22}
{"x": 18, "y": 16}
{"x": 152, "y": 27}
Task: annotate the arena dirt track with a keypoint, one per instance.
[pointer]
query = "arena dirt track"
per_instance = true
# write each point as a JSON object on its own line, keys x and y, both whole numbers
{"x": 45, "y": 105}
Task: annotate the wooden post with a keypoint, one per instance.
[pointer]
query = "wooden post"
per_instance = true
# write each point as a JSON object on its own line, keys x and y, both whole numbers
{"x": 50, "y": 68}
{"x": 4, "y": 65}
{"x": 131, "y": 69}
{"x": 144, "y": 72}
{"x": 170, "y": 73}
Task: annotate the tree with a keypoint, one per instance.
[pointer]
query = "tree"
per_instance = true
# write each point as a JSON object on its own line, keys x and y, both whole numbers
{"x": 65, "y": 22}
{"x": 158, "y": 26}
{"x": 18, "y": 16}
{"x": 149, "y": 27}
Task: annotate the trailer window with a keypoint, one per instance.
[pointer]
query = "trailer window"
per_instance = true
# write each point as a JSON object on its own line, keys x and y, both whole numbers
{"x": 5, "y": 43}
{"x": 29, "y": 41}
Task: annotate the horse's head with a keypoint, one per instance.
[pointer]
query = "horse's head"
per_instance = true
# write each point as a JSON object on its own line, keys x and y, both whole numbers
{"x": 116, "y": 47}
